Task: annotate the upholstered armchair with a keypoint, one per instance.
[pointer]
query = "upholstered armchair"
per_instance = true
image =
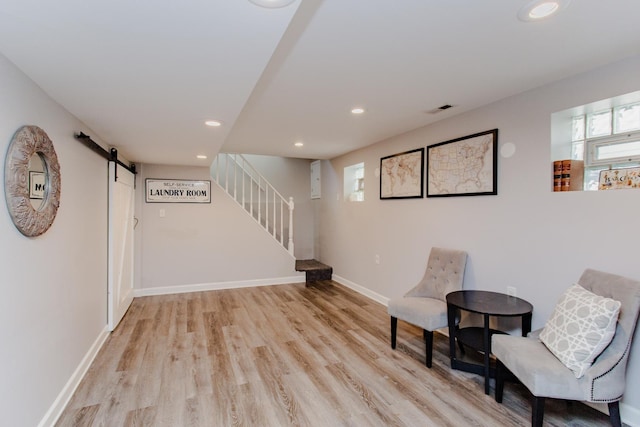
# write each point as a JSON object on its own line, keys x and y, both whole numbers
{"x": 546, "y": 376}
{"x": 425, "y": 305}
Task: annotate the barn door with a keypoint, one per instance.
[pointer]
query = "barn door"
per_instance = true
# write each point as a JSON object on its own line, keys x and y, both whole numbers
{"x": 121, "y": 198}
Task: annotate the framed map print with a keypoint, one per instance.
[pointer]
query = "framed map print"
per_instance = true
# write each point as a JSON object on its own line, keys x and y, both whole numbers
{"x": 402, "y": 175}
{"x": 466, "y": 166}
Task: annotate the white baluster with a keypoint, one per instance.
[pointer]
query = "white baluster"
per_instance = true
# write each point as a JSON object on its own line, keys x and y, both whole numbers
{"x": 281, "y": 222}
{"x": 290, "y": 246}
{"x": 274, "y": 213}
{"x": 243, "y": 184}
{"x": 235, "y": 179}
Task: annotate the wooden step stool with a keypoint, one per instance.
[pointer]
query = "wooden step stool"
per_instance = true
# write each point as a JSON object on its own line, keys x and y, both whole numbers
{"x": 314, "y": 270}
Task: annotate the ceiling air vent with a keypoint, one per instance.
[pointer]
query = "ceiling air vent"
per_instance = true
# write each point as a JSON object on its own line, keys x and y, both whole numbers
{"x": 440, "y": 109}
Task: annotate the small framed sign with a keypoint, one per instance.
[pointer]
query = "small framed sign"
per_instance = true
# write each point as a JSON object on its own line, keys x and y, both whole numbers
{"x": 36, "y": 185}
{"x": 177, "y": 191}
{"x": 616, "y": 179}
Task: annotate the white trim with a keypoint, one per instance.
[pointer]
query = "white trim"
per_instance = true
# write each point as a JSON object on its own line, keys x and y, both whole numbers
{"x": 362, "y": 290}
{"x": 591, "y": 147}
{"x": 200, "y": 287}
{"x": 67, "y": 391}
{"x": 630, "y": 415}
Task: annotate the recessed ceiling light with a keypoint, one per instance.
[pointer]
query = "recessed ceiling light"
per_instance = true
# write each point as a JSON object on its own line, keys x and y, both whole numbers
{"x": 299, "y": 144}
{"x": 538, "y": 10}
{"x": 272, "y": 4}
{"x": 543, "y": 10}
{"x": 201, "y": 156}
{"x": 357, "y": 110}
{"x": 213, "y": 123}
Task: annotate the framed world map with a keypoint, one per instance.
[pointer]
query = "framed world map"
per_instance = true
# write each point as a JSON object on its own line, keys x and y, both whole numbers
{"x": 466, "y": 166}
{"x": 402, "y": 175}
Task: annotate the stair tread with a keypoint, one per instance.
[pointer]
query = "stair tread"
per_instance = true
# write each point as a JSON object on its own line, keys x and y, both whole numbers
{"x": 311, "y": 265}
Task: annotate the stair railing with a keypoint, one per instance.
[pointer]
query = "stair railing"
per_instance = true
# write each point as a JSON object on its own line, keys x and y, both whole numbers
{"x": 252, "y": 191}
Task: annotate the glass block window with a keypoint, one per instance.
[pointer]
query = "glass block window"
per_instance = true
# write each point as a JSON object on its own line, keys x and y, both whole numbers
{"x": 626, "y": 118}
{"x": 606, "y": 139}
{"x": 578, "y": 128}
{"x": 599, "y": 124}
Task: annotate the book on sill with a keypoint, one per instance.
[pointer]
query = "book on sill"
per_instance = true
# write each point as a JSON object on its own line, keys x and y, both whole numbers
{"x": 568, "y": 175}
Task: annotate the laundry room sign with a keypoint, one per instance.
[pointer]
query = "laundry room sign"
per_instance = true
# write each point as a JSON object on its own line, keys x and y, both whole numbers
{"x": 177, "y": 191}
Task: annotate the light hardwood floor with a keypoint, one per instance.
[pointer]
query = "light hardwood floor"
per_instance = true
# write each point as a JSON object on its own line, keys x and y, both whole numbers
{"x": 285, "y": 355}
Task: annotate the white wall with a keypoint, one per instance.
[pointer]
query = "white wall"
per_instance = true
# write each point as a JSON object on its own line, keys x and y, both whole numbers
{"x": 202, "y": 246}
{"x": 53, "y": 304}
{"x": 526, "y": 236}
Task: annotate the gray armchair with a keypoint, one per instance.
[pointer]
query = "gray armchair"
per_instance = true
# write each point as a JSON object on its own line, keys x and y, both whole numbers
{"x": 546, "y": 377}
{"x": 425, "y": 305}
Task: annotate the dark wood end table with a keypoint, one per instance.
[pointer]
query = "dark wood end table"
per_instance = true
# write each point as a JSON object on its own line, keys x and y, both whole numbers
{"x": 488, "y": 304}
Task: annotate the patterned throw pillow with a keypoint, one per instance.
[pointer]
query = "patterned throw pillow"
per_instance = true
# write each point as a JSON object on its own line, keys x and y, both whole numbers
{"x": 581, "y": 327}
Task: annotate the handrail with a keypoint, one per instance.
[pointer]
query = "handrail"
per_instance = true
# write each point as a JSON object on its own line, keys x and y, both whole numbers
{"x": 234, "y": 173}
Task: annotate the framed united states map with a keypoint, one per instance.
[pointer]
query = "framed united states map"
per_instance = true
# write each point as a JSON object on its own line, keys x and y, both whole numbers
{"x": 466, "y": 166}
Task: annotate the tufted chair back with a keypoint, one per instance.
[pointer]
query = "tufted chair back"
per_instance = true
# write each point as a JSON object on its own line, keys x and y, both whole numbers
{"x": 444, "y": 274}
{"x": 606, "y": 377}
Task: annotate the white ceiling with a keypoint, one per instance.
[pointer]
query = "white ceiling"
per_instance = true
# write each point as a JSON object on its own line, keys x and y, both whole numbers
{"x": 144, "y": 75}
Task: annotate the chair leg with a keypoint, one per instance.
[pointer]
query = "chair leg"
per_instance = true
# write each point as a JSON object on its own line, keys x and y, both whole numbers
{"x": 537, "y": 411}
{"x": 614, "y": 414}
{"x": 499, "y": 380}
{"x": 394, "y": 328}
{"x": 428, "y": 339}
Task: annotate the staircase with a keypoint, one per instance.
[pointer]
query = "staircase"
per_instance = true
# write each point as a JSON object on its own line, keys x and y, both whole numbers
{"x": 235, "y": 175}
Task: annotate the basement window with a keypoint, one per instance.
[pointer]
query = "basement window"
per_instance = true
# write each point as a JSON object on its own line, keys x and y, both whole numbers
{"x": 606, "y": 139}
{"x": 354, "y": 183}
{"x": 603, "y": 135}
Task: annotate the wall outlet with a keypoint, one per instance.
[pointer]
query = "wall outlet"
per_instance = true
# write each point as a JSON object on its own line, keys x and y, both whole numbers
{"x": 377, "y": 259}
{"x": 511, "y": 291}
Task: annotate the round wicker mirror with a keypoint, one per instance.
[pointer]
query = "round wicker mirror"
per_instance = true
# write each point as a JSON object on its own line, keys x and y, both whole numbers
{"x": 22, "y": 185}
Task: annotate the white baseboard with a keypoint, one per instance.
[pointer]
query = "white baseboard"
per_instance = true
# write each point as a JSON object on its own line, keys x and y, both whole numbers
{"x": 65, "y": 395}
{"x": 199, "y": 287}
{"x": 362, "y": 290}
{"x": 630, "y": 415}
